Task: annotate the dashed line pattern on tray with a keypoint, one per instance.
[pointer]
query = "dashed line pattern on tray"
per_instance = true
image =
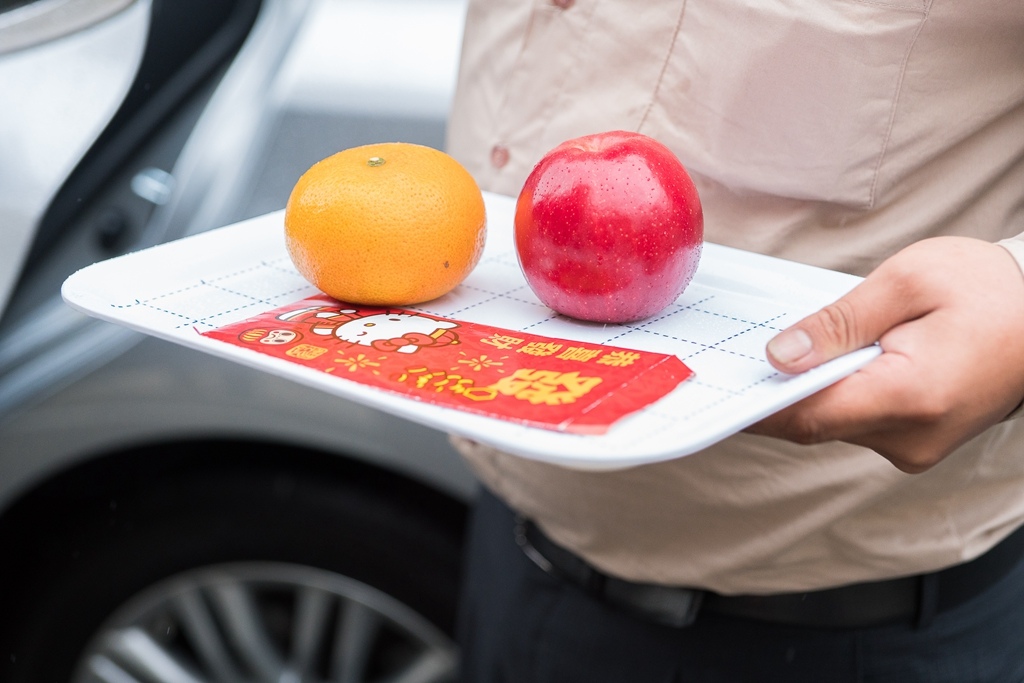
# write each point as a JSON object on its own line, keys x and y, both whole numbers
{"x": 717, "y": 384}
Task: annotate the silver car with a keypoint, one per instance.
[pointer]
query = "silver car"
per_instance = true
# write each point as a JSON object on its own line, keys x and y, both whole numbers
{"x": 165, "y": 516}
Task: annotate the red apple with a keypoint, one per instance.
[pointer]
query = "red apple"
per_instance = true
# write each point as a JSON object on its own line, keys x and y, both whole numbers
{"x": 609, "y": 227}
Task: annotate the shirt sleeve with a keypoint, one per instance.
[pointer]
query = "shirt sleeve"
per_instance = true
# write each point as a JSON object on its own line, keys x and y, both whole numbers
{"x": 1015, "y": 245}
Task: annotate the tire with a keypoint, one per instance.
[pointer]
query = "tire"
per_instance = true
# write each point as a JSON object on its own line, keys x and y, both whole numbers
{"x": 211, "y": 575}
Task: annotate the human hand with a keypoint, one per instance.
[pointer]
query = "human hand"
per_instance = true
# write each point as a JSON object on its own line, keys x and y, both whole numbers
{"x": 948, "y": 313}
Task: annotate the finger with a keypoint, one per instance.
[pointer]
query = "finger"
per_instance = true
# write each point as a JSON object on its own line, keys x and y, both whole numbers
{"x": 876, "y": 408}
{"x": 882, "y": 301}
{"x": 863, "y": 409}
{"x": 836, "y": 413}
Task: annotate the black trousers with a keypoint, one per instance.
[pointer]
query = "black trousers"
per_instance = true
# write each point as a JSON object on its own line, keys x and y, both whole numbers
{"x": 519, "y": 624}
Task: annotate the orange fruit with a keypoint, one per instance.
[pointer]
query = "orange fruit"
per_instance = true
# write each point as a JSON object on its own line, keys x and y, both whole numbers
{"x": 389, "y": 224}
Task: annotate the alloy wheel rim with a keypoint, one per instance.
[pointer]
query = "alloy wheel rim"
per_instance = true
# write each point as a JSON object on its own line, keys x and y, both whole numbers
{"x": 266, "y": 623}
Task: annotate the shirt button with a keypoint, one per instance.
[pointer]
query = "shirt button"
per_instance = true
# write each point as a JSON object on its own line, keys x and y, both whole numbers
{"x": 563, "y": 4}
{"x": 499, "y": 156}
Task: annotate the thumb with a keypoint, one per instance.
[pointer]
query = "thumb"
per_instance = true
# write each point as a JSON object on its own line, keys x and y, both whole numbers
{"x": 856, "y": 320}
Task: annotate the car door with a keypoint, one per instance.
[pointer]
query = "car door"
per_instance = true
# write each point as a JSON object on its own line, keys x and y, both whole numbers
{"x": 170, "y": 516}
{"x": 56, "y": 107}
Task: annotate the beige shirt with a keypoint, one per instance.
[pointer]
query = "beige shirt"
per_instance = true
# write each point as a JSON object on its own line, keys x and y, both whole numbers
{"x": 832, "y": 133}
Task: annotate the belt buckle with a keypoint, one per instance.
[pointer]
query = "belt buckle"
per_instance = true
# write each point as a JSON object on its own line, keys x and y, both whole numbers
{"x": 665, "y": 605}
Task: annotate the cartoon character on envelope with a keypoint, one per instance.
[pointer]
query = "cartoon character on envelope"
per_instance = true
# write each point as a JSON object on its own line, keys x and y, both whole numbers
{"x": 400, "y": 331}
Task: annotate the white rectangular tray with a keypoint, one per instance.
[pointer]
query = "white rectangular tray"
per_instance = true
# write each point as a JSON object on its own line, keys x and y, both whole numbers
{"x": 718, "y": 327}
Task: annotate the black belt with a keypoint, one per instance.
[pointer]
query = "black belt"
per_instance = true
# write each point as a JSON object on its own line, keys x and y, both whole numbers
{"x": 912, "y": 599}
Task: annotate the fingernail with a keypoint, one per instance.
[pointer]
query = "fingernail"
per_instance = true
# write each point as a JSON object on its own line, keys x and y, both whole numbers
{"x": 790, "y": 346}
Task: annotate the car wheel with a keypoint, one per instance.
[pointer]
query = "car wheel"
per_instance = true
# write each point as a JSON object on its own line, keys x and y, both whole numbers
{"x": 243, "y": 571}
{"x": 257, "y": 621}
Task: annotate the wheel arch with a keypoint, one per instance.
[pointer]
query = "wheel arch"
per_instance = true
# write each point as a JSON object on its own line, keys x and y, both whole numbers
{"x": 45, "y": 532}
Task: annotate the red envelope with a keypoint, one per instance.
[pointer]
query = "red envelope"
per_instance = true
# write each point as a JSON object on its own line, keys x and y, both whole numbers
{"x": 540, "y": 381}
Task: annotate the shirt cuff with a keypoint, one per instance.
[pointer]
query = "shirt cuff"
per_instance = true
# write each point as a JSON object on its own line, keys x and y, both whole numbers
{"x": 1015, "y": 245}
